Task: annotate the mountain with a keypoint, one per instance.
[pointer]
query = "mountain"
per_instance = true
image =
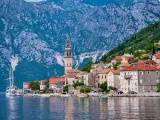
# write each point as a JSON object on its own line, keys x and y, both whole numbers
{"x": 36, "y": 30}
{"x": 139, "y": 43}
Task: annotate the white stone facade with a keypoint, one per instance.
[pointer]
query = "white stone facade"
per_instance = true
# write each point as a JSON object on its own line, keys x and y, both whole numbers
{"x": 128, "y": 81}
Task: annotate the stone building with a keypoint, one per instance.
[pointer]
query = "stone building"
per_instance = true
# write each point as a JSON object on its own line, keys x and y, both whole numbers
{"x": 102, "y": 75}
{"x": 113, "y": 78}
{"x": 141, "y": 78}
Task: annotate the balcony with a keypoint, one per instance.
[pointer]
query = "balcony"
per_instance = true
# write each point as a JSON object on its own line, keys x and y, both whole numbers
{"x": 128, "y": 77}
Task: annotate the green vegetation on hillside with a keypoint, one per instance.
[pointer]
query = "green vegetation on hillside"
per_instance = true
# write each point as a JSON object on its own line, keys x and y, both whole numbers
{"x": 143, "y": 40}
{"x": 87, "y": 67}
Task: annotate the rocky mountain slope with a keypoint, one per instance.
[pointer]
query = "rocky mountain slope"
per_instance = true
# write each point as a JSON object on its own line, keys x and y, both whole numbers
{"x": 36, "y": 32}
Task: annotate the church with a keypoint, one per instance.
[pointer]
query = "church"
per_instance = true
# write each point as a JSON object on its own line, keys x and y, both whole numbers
{"x": 68, "y": 64}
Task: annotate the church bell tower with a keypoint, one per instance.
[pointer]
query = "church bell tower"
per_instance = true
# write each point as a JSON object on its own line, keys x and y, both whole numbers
{"x": 67, "y": 56}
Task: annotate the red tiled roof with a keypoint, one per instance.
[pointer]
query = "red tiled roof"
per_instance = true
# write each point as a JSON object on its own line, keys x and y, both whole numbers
{"x": 118, "y": 58}
{"x": 157, "y": 56}
{"x": 71, "y": 76}
{"x": 115, "y": 72}
{"x": 128, "y": 57}
{"x": 73, "y": 71}
{"x": 55, "y": 79}
{"x": 148, "y": 62}
{"x": 104, "y": 71}
{"x": 125, "y": 65}
{"x": 43, "y": 81}
{"x": 144, "y": 55}
{"x": 141, "y": 66}
{"x": 26, "y": 83}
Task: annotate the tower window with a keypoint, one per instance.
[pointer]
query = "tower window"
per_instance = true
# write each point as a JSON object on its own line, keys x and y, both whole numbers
{"x": 67, "y": 53}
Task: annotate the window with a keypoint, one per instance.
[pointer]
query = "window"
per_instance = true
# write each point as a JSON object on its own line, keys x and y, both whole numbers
{"x": 157, "y": 81}
{"x": 102, "y": 76}
{"x": 141, "y": 81}
{"x": 105, "y": 76}
{"x": 148, "y": 72}
{"x": 141, "y": 73}
{"x": 98, "y": 76}
{"x": 157, "y": 72}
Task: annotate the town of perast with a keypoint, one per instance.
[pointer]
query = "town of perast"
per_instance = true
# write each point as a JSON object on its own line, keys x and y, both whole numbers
{"x": 79, "y": 59}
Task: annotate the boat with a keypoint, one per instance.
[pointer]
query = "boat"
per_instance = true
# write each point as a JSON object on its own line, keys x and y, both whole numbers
{"x": 93, "y": 94}
{"x": 65, "y": 95}
{"x": 82, "y": 95}
{"x": 103, "y": 96}
{"x": 19, "y": 92}
{"x": 12, "y": 90}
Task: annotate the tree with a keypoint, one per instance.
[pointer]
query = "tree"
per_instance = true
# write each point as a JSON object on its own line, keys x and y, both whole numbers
{"x": 65, "y": 88}
{"x": 78, "y": 84}
{"x": 87, "y": 67}
{"x": 115, "y": 66}
{"x": 85, "y": 89}
{"x": 104, "y": 87}
{"x": 34, "y": 85}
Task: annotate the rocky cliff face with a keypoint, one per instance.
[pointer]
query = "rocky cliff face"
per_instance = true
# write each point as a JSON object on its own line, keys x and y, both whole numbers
{"x": 36, "y": 32}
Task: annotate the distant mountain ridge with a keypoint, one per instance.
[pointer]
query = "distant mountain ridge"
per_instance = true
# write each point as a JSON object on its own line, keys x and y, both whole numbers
{"x": 36, "y": 32}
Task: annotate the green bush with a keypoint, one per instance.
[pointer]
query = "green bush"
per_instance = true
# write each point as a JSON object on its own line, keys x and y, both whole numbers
{"x": 65, "y": 88}
{"x": 104, "y": 87}
{"x": 34, "y": 85}
{"x": 78, "y": 84}
{"x": 85, "y": 90}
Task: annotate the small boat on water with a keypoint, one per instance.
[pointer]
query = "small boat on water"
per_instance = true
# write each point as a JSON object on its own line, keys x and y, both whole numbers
{"x": 103, "y": 96}
{"x": 65, "y": 95}
{"x": 93, "y": 94}
{"x": 82, "y": 95}
{"x": 11, "y": 91}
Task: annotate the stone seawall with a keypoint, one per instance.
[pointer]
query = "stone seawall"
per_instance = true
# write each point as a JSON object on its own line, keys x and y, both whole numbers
{"x": 136, "y": 95}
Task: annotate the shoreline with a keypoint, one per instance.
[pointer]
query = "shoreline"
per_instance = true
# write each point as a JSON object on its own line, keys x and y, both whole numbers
{"x": 99, "y": 95}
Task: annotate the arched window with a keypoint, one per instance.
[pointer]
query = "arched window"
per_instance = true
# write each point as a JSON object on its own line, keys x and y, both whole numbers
{"x": 67, "y": 53}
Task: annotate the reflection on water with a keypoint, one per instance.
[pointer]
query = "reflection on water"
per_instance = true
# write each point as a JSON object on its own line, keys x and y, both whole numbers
{"x": 58, "y": 108}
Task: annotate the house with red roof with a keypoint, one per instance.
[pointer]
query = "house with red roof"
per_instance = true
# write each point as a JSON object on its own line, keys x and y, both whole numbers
{"x": 156, "y": 58}
{"x": 83, "y": 77}
{"x": 26, "y": 87}
{"x": 43, "y": 84}
{"x": 128, "y": 58}
{"x": 70, "y": 79}
{"x": 56, "y": 83}
{"x": 116, "y": 59}
{"x": 141, "y": 78}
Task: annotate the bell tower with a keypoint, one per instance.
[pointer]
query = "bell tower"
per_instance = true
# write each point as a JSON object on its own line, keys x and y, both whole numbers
{"x": 67, "y": 56}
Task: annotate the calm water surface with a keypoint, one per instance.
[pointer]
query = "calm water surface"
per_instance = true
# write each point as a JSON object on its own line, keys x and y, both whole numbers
{"x": 58, "y": 108}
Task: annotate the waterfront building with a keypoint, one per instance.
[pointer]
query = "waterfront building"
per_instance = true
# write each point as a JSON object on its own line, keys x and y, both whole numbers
{"x": 156, "y": 58}
{"x": 124, "y": 65}
{"x": 113, "y": 78}
{"x": 67, "y": 56}
{"x": 83, "y": 77}
{"x": 141, "y": 78}
{"x": 43, "y": 84}
{"x": 102, "y": 75}
{"x": 26, "y": 87}
{"x": 56, "y": 83}
{"x": 92, "y": 76}
{"x": 70, "y": 79}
